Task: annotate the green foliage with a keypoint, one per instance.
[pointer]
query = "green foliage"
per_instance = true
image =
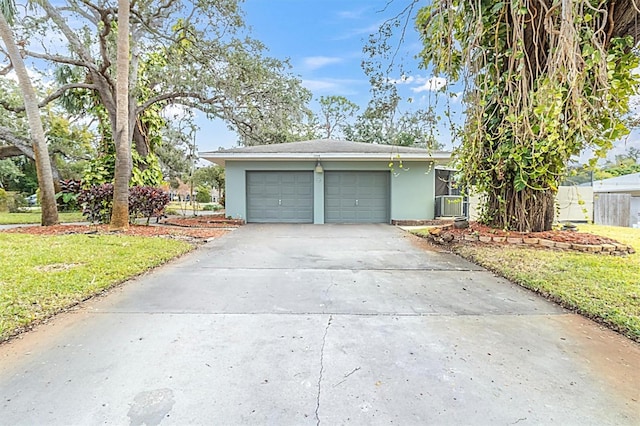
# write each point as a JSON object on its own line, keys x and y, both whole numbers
{"x": 532, "y": 102}
{"x": 209, "y": 176}
{"x": 203, "y": 195}
{"x": 211, "y": 207}
{"x": 146, "y": 171}
{"x": 68, "y": 196}
{"x": 335, "y": 111}
{"x": 10, "y": 173}
{"x": 18, "y": 174}
{"x": 44, "y": 275}
{"x": 4, "y": 201}
{"x": 12, "y": 202}
{"x": 100, "y": 170}
{"x": 380, "y": 126}
{"x": 621, "y": 167}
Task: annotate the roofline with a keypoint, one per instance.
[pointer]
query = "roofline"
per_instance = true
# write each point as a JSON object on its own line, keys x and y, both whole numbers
{"x": 620, "y": 188}
{"x": 222, "y": 157}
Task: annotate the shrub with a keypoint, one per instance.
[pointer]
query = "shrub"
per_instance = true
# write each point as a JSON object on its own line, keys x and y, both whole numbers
{"x": 4, "y": 201}
{"x": 203, "y": 195}
{"x": 68, "y": 196}
{"x": 147, "y": 201}
{"x": 144, "y": 201}
{"x": 12, "y": 202}
{"x": 212, "y": 207}
{"x": 97, "y": 202}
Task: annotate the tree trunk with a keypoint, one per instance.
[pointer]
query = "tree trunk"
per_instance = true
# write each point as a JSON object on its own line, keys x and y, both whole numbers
{"x": 527, "y": 210}
{"x": 43, "y": 162}
{"x": 120, "y": 213}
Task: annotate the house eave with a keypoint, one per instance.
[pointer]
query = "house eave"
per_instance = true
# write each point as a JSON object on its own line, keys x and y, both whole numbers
{"x": 221, "y": 158}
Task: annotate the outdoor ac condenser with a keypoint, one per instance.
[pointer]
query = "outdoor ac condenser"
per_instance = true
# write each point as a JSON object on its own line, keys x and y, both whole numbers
{"x": 449, "y": 206}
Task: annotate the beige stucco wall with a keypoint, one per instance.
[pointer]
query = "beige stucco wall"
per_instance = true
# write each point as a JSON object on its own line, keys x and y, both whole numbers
{"x": 573, "y": 204}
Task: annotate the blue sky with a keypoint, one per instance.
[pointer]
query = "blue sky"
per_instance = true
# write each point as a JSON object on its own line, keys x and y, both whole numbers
{"x": 323, "y": 40}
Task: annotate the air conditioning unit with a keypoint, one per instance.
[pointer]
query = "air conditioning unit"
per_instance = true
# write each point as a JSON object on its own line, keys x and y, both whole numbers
{"x": 449, "y": 206}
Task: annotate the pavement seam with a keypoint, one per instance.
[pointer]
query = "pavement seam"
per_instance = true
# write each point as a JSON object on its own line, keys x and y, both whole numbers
{"x": 324, "y": 341}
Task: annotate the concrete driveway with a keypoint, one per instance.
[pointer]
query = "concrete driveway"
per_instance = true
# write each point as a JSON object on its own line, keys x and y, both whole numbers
{"x": 309, "y": 324}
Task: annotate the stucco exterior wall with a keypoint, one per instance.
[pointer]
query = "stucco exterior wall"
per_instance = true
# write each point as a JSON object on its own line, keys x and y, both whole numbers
{"x": 412, "y": 186}
{"x": 575, "y": 204}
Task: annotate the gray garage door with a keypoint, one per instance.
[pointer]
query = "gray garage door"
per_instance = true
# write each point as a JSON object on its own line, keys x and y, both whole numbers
{"x": 278, "y": 197}
{"x": 356, "y": 197}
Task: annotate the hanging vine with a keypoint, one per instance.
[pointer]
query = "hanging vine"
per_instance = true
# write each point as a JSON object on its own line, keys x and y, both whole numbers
{"x": 544, "y": 80}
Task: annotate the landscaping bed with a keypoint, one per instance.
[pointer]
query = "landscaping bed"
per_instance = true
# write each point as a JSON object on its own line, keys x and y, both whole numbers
{"x": 195, "y": 234}
{"x": 208, "y": 221}
{"x": 559, "y": 239}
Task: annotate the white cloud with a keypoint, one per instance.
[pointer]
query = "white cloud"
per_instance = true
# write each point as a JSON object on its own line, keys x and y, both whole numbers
{"x": 359, "y": 32}
{"x": 37, "y": 79}
{"x": 352, "y": 14}
{"x": 430, "y": 85}
{"x": 333, "y": 86}
{"x": 176, "y": 112}
{"x": 315, "y": 62}
{"x": 407, "y": 80}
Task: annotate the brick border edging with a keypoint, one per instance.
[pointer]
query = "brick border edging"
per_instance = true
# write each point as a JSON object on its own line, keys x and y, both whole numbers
{"x": 614, "y": 249}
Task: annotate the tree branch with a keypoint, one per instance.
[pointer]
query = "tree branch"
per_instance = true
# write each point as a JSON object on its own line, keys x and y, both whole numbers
{"x": 73, "y": 38}
{"x": 55, "y": 95}
{"x": 176, "y": 96}
{"x": 59, "y": 59}
{"x": 17, "y": 145}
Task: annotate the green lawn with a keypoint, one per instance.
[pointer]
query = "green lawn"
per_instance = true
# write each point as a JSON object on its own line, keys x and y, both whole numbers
{"x": 605, "y": 288}
{"x": 42, "y": 275}
{"x": 34, "y": 217}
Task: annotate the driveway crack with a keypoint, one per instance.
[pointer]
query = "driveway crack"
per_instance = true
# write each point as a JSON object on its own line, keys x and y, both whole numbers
{"x": 324, "y": 340}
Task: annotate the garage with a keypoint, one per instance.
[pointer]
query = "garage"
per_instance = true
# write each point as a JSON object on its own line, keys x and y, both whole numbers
{"x": 280, "y": 196}
{"x": 329, "y": 181}
{"x": 356, "y": 197}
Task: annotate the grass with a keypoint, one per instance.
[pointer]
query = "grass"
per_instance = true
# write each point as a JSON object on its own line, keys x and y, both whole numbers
{"x": 35, "y": 216}
{"x": 43, "y": 275}
{"x": 604, "y": 288}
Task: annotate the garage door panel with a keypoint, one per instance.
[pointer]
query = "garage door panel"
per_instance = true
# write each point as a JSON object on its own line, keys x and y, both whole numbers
{"x": 274, "y": 197}
{"x": 356, "y": 197}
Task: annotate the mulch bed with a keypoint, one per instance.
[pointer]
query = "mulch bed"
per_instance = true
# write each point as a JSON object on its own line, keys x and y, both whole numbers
{"x": 195, "y": 234}
{"x": 572, "y": 237}
{"x": 208, "y": 221}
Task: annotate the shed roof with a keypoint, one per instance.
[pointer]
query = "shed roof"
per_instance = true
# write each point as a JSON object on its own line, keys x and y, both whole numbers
{"x": 627, "y": 183}
{"x": 324, "y": 149}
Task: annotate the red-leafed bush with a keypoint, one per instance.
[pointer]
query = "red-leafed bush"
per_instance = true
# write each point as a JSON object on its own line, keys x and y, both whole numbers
{"x": 147, "y": 201}
{"x": 144, "y": 201}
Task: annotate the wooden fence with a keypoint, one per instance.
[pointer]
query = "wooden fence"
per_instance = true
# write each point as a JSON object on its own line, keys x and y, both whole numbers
{"x": 612, "y": 209}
